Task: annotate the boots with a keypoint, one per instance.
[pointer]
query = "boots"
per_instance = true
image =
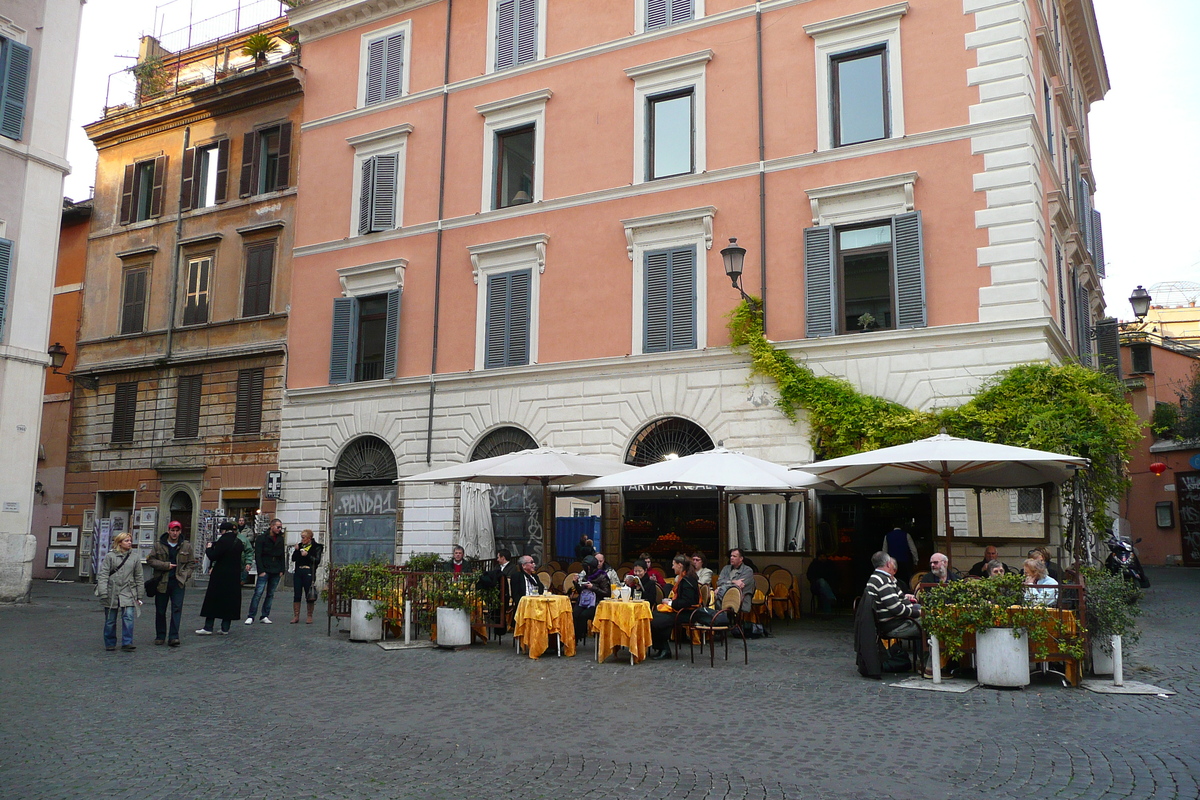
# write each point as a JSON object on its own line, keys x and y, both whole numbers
{"x": 295, "y": 613}
{"x": 311, "y": 603}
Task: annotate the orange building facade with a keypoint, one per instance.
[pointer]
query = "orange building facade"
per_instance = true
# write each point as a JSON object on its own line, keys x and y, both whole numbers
{"x": 511, "y": 229}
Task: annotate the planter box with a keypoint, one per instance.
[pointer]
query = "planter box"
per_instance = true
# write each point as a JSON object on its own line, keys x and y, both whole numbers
{"x": 1002, "y": 659}
{"x": 1102, "y": 662}
{"x": 361, "y": 628}
{"x": 453, "y": 627}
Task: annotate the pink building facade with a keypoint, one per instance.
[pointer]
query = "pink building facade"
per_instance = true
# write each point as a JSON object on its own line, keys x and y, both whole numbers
{"x": 510, "y": 222}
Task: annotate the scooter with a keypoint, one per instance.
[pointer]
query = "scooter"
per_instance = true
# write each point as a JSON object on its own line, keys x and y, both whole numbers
{"x": 1123, "y": 561}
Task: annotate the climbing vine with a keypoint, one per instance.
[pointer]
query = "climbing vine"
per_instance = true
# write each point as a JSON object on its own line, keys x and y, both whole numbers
{"x": 1065, "y": 408}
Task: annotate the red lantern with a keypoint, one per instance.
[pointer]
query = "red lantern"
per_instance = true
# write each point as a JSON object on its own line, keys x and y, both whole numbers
{"x": 1158, "y": 468}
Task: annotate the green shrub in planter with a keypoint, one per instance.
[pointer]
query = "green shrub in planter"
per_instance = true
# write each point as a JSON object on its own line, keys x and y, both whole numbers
{"x": 366, "y": 580}
{"x": 423, "y": 562}
{"x": 1112, "y": 607}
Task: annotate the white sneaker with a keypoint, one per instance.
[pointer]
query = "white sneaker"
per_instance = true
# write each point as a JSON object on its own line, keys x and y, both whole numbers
{"x": 249, "y": 620}
{"x": 265, "y": 621}
{"x": 203, "y": 632}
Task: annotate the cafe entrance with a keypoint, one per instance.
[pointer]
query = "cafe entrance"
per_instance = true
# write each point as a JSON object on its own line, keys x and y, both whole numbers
{"x": 363, "y": 503}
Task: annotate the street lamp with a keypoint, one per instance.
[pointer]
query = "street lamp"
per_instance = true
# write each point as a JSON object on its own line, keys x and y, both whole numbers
{"x": 734, "y": 257}
{"x": 58, "y": 356}
{"x": 1140, "y": 300}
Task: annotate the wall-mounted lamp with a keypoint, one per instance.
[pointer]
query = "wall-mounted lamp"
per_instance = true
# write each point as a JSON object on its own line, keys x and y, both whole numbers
{"x": 734, "y": 257}
{"x": 58, "y": 356}
{"x": 1140, "y": 300}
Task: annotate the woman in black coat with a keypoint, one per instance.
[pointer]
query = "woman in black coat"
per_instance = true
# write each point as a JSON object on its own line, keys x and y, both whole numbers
{"x": 223, "y": 600}
{"x": 685, "y": 595}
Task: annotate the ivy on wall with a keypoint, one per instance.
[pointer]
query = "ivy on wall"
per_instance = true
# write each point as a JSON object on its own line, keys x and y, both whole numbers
{"x": 1063, "y": 408}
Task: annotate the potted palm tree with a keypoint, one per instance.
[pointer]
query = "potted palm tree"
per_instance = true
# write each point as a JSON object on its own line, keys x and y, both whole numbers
{"x": 1112, "y": 612}
{"x": 258, "y": 46}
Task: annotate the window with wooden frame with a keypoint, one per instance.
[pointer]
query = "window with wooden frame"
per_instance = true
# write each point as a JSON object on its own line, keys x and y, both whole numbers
{"x": 260, "y": 268}
{"x": 365, "y": 337}
{"x": 196, "y": 286}
{"x": 142, "y": 190}
{"x": 205, "y": 175}
{"x": 515, "y": 164}
{"x": 671, "y": 134}
{"x": 1141, "y": 358}
{"x": 860, "y": 96}
{"x": 266, "y": 160}
{"x": 133, "y": 300}
{"x": 385, "y": 79}
{"x": 124, "y": 411}
{"x": 187, "y": 406}
{"x": 248, "y": 411}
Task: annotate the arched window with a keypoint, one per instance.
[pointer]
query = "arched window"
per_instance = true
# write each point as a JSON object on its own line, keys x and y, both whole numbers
{"x": 368, "y": 461}
{"x": 501, "y": 442}
{"x": 671, "y": 437}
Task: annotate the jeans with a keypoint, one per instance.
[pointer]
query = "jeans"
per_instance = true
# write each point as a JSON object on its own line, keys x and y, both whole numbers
{"x": 225, "y": 623}
{"x": 302, "y": 585}
{"x": 110, "y": 625}
{"x": 173, "y": 595}
{"x": 266, "y": 583}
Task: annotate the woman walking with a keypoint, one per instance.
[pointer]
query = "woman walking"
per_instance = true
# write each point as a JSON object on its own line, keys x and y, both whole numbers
{"x": 119, "y": 585}
{"x": 307, "y": 557}
{"x": 223, "y": 599}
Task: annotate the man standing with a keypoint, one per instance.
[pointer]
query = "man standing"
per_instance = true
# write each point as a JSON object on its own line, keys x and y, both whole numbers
{"x": 269, "y": 560}
{"x": 899, "y": 544}
{"x": 896, "y": 615}
{"x": 939, "y": 570}
{"x": 737, "y": 574}
{"x": 173, "y": 562}
{"x": 243, "y": 535}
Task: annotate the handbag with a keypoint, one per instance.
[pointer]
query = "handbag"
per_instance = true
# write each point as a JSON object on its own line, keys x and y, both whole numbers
{"x": 151, "y": 587}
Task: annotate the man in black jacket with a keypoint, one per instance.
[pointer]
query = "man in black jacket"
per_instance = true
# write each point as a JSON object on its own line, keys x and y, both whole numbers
{"x": 269, "y": 560}
{"x": 526, "y": 581}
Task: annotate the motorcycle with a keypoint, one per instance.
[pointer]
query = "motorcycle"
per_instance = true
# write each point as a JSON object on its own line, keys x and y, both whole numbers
{"x": 1123, "y": 561}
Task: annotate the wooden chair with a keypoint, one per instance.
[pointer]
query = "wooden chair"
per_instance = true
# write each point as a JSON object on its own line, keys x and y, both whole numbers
{"x": 556, "y": 581}
{"x": 576, "y": 567}
{"x": 658, "y": 594}
{"x": 553, "y": 566}
{"x": 760, "y": 610}
{"x": 622, "y": 571}
{"x": 568, "y": 583}
{"x": 731, "y": 602}
{"x": 779, "y": 599}
{"x": 770, "y": 569}
{"x": 546, "y": 580}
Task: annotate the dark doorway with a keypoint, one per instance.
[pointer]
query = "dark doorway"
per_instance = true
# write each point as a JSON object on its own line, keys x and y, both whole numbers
{"x": 181, "y": 512}
{"x": 364, "y": 503}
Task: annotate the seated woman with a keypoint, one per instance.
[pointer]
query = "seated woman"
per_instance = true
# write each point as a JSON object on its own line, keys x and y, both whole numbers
{"x": 1044, "y": 554}
{"x": 593, "y": 586}
{"x": 651, "y": 570}
{"x": 685, "y": 595}
{"x": 994, "y": 569}
{"x": 641, "y": 583}
{"x": 703, "y": 574}
{"x": 1036, "y": 576}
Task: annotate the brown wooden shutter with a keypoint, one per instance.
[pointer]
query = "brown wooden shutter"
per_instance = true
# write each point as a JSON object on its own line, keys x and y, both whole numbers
{"x": 249, "y": 160}
{"x": 127, "y": 194}
{"x": 187, "y": 406}
{"x": 189, "y": 190}
{"x": 285, "y": 156}
{"x": 124, "y": 411}
{"x": 160, "y": 181}
{"x": 222, "y": 169}
{"x": 248, "y": 412}
{"x": 256, "y": 295}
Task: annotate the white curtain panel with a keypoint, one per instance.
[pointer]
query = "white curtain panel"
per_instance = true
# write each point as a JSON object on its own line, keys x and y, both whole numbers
{"x": 770, "y": 527}
{"x": 475, "y": 532}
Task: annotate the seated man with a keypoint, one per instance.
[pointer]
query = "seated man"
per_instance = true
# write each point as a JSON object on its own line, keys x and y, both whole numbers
{"x": 736, "y": 573}
{"x": 939, "y": 570}
{"x": 821, "y": 577}
{"x": 989, "y": 554}
{"x": 613, "y": 578}
{"x": 526, "y": 581}
{"x": 896, "y": 615}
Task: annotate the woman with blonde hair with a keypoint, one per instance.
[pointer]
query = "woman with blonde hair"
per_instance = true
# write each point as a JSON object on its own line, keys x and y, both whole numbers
{"x": 120, "y": 587}
{"x": 307, "y": 557}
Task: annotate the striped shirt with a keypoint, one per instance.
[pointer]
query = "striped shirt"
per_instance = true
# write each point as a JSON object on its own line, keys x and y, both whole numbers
{"x": 889, "y": 604}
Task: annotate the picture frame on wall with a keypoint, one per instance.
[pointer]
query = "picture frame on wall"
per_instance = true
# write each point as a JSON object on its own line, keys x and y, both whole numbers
{"x": 60, "y": 558}
{"x": 64, "y": 536}
{"x": 149, "y": 517}
{"x": 145, "y": 536}
{"x": 89, "y": 520}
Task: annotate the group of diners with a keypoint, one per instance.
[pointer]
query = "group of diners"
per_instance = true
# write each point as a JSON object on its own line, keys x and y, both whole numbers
{"x": 1039, "y": 570}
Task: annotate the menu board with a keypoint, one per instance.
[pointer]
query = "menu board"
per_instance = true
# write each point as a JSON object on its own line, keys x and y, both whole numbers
{"x": 1187, "y": 488}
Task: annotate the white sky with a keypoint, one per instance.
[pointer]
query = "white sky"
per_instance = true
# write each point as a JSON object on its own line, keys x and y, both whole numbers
{"x": 1145, "y": 135}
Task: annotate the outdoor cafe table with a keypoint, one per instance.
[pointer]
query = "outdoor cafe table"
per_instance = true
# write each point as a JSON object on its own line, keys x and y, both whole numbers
{"x": 539, "y": 616}
{"x": 622, "y": 623}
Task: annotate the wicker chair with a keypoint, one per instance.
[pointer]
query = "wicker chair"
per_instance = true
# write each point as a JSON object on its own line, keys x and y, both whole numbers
{"x": 731, "y": 602}
{"x": 779, "y": 598}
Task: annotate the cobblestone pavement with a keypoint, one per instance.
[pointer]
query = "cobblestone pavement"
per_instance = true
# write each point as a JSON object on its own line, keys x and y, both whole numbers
{"x": 284, "y": 711}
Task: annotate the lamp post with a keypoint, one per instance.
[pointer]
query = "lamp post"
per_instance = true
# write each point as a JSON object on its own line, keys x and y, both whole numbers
{"x": 734, "y": 257}
{"x": 1140, "y": 300}
{"x": 58, "y": 356}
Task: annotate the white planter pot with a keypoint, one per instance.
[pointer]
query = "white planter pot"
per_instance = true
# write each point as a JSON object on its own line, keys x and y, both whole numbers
{"x": 361, "y": 628}
{"x": 1000, "y": 658}
{"x": 453, "y": 627}
{"x": 1102, "y": 662}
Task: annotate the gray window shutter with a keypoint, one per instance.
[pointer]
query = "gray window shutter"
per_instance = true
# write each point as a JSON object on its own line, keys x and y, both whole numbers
{"x": 393, "y": 71}
{"x": 527, "y": 23}
{"x": 14, "y": 87}
{"x": 517, "y": 345}
{"x": 1062, "y": 288}
{"x": 1108, "y": 347}
{"x": 496, "y": 321}
{"x": 1098, "y": 244}
{"x": 506, "y": 33}
{"x": 657, "y": 335}
{"x": 391, "y": 334}
{"x": 820, "y": 282}
{"x": 366, "y": 193}
{"x": 376, "y": 53}
{"x": 681, "y": 11}
{"x": 908, "y": 267}
{"x": 342, "y": 342}
{"x": 656, "y": 14}
{"x": 683, "y": 299}
{"x": 1083, "y": 321}
{"x": 6, "y": 251}
{"x": 383, "y": 195}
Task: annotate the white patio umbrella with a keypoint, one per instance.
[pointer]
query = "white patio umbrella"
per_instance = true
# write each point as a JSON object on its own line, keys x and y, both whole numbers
{"x": 719, "y": 468}
{"x": 948, "y": 461}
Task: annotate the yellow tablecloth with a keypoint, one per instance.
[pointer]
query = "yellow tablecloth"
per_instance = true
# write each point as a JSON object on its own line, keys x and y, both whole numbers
{"x": 622, "y": 624}
{"x": 538, "y": 616}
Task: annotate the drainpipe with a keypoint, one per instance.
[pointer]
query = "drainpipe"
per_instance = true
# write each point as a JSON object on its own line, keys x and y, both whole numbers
{"x": 187, "y": 136}
{"x": 762, "y": 174}
{"x": 437, "y": 267}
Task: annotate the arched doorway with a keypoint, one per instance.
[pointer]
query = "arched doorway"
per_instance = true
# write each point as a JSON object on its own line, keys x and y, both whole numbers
{"x": 363, "y": 512}
{"x": 180, "y": 510}
{"x": 516, "y": 510}
{"x": 664, "y": 522}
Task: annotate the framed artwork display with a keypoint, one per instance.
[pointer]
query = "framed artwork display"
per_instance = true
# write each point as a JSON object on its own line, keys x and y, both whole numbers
{"x": 60, "y": 558}
{"x": 64, "y": 536}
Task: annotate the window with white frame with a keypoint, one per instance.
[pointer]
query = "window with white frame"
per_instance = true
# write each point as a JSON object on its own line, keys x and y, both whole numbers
{"x": 365, "y": 337}
{"x": 669, "y": 117}
{"x": 508, "y": 277}
{"x": 670, "y": 288}
{"x": 516, "y": 33}
{"x": 196, "y": 287}
{"x": 859, "y": 90}
{"x": 379, "y": 161}
{"x": 657, "y": 14}
{"x": 513, "y": 146}
{"x": 383, "y": 59}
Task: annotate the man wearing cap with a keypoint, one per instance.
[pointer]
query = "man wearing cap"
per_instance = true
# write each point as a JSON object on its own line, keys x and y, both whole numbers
{"x": 173, "y": 562}
{"x": 269, "y": 560}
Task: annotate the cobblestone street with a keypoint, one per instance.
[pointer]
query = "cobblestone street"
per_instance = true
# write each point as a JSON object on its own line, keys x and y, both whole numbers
{"x": 284, "y": 711}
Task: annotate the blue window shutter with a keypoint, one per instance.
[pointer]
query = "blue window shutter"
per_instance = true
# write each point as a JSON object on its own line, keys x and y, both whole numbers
{"x": 376, "y": 54}
{"x": 820, "y": 282}
{"x": 681, "y": 11}
{"x": 527, "y": 23}
{"x": 391, "y": 334}
{"x": 393, "y": 72}
{"x": 1062, "y": 289}
{"x": 506, "y": 33}
{"x": 6, "y": 250}
{"x": 14, "y": 87}
{"x": 683, "y": 299}
{"x": 657, "y": 334}
{"x": 1083, "y": 324}
{"x": 1098, "y": 244}
{"x": 517, "y": 345}
{"x": 496, "y": 321}
{"x": 383, "y": 197}
{"x": 366, "y": 194}
{"x": 342, "y": 344}
{"x": 656, "y": 14}
{"x": 908, "y": 267}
